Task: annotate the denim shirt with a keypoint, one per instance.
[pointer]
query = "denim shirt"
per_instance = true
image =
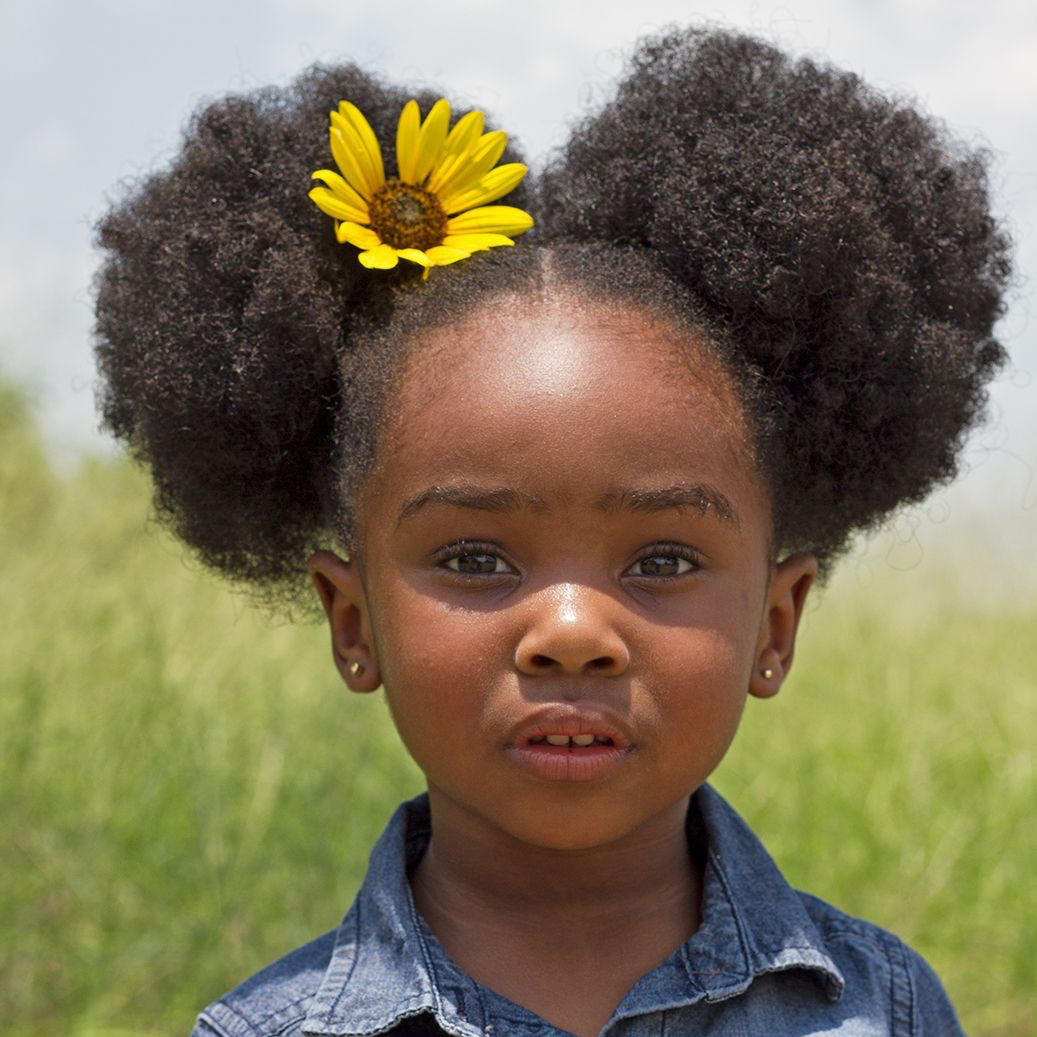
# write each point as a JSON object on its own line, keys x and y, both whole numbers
{"x": 766, "y": 960}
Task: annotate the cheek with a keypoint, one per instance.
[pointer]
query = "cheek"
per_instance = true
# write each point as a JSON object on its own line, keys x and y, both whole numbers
{"x": 715, "y": 683}
{"x": 704, "y": 671}
{"x": 720, "y": 632}
{"x": 438, "y": 685}
{"x": 429, "y": 647}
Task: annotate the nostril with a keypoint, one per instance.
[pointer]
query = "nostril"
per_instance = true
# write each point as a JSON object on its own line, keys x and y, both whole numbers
{"x": 572, "y": 663}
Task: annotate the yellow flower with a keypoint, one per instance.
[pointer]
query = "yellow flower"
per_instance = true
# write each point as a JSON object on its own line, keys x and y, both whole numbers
{"x": 435, "y": 211}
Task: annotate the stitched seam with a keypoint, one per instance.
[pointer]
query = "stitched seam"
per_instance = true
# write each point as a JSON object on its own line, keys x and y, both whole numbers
{"x": 209, "y": 1021}
{"x": 250, "y": 1027}
{"x": 423, "y": 1009}
{"x": 484, "y": 1011}
{"x": 284, "y": 1008}
{"x": 901, "y": 988}
{"x": 391, "y": 1026}
{"x": 291, "y": 1022}
{"x": 333, "y": 1009}
{"x": 426, "y": 956}
{"x": 739, "y": 924}
{"x": 237, "y": 1015}
{"x": 903, "y": 992}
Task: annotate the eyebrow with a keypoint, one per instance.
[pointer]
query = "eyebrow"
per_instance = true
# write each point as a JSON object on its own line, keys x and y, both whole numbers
{"x": 500, "y": 498}
{"x": 701, "y": 497}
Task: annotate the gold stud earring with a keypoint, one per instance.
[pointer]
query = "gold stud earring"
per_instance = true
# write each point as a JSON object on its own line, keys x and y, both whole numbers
{"x": 355, "y": 669}
{"x": 768, "y": 673}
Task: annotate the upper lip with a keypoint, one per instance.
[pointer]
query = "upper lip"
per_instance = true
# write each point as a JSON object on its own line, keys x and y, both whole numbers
{"x": 560, "y": 719}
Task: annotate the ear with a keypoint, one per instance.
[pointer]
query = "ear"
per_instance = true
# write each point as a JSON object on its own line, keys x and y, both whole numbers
{"x": 342, "y": 594}
{"x": 790, "y": 582}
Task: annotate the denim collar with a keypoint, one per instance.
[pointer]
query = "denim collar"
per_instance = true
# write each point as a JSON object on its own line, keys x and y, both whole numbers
{"x": 387, "y": 965}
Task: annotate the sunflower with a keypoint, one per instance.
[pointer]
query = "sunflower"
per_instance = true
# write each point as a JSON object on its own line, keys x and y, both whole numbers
{"x": 435, "y": 211}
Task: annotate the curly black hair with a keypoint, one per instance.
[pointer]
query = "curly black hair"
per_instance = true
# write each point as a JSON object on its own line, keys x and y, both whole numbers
{"x": 835, "y": 244}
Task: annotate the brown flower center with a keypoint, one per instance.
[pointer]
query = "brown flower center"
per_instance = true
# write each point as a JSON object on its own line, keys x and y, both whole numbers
{"x": 405, "y": 216}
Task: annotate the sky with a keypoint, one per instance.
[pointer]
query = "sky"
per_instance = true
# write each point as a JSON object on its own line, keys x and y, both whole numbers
{"x": 94, "y": 93}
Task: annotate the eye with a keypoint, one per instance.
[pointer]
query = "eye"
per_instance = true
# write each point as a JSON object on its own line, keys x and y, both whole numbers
{"x": 472, "y": 559}
{"x": 476, "y": 562}
{"x": 666, "y": 561}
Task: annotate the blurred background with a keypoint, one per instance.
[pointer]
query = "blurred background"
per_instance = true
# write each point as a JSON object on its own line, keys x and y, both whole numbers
{"x": 185, "y": 790}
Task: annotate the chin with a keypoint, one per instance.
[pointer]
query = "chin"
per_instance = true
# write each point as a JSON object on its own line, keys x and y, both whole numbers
{"x": 572, "y": 826}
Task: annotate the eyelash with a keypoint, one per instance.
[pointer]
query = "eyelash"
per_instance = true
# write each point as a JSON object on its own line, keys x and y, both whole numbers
{"x": 461, "y": 548}
{"x": 681, "y": 551}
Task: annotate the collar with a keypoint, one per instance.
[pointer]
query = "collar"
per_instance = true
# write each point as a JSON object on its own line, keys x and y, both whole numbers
{"x": 386, "y": 965}
{"x": 753, "y": 921}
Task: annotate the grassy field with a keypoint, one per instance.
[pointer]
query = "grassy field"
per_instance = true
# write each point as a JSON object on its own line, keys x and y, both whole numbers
{"x": 186, "y": 791}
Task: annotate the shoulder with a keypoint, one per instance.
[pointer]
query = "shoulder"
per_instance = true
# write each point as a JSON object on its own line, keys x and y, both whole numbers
{"x": 874, "y": 960}
{"x": 274, "y": 1002}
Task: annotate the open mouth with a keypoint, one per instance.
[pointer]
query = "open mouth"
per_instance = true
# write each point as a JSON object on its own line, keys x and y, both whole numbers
{"x": 564, "y": 743}
{"x": 572, "y": 741}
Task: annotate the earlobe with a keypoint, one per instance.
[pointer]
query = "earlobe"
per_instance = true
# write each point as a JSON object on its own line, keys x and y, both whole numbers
{"x": 787, "y": 593}
{"x": 766, "y": 681}
{"x": 341, "y": 593}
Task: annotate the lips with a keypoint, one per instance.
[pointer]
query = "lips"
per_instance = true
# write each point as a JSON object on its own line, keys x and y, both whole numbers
{"x": 562, "y": 743}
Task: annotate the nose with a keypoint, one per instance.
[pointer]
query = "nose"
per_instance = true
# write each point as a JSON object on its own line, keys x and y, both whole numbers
{"x": 571, "y": 633}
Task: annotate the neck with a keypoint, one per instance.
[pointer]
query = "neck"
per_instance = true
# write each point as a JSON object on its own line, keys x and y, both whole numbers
{"x": 476, "y": 876}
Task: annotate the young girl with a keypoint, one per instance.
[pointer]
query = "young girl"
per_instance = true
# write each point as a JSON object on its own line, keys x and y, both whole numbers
{"x": 562, "y": 498}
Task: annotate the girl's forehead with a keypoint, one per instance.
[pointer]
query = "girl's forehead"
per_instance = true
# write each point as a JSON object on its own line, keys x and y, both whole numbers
{"x": 525, "y": 352}
{"x": 582, "y": 388}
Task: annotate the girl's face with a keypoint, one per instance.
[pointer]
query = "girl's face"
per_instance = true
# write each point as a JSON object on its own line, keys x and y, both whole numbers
{"x": 564, "y": 535}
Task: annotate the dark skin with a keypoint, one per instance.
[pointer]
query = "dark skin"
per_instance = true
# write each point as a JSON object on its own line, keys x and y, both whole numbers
{"x": 564, "y": 515}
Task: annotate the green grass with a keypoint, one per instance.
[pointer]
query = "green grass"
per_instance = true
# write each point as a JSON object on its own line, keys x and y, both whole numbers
{"x": 187, "y": 791}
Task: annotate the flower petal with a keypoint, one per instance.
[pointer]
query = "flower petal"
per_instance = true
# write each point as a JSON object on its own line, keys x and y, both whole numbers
{"x": 461, "y": 139}
{"x": 351, "y": 159}
{"x": 381, "y": 258}
{"x": 407, "y": 140}
{"x": 483, "y": 156}
{"x": 476, "y": 242}
{"x": 491, "y": 219}
{"x": 431, "y": 140}
{"x": 415, "y": 255}
{"x": 343, "y": 193}
{"x": 371, "y": 173}
{"x": 334, "y": 206}
{"x": 363, "y": 130}
{"x": 495, "y": 184}
{"x": 441, "y": 255}
{"x": 362, "y": 237}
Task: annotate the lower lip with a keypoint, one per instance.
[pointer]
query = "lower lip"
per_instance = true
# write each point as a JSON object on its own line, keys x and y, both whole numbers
{"x": 566, "y": 763}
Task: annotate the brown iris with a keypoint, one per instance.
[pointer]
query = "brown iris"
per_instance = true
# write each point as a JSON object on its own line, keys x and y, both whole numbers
{"x": 405, "y": 216}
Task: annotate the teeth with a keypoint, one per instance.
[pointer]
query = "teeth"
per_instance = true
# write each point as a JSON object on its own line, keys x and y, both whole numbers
{"x": 566, "y": 740}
